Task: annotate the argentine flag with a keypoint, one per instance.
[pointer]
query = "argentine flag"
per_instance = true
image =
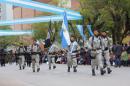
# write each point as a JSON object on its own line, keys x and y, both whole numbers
{"x": 15, "y": 32}
{"x": 90, "y": 30}
{"x": 64, "y": 32}
{"x": 80, "y": 29}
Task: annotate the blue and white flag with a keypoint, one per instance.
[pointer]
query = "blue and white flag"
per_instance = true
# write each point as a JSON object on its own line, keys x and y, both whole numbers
{"x": 48, "y": 37}
{"x": 90, "y": 30}
{"x": 65, "y": 33}
{"x": 15, "y": 32}
{"x": 80, "y": 29}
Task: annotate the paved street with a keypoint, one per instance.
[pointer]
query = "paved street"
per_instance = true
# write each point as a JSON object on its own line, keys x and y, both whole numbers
{"x": 11, "y": 76}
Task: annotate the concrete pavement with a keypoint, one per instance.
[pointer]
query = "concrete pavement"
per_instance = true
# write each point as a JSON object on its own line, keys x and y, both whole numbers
{"x": 12, "y": 76}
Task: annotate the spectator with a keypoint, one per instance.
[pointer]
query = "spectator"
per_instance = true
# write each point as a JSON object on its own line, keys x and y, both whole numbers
{"x": 124, "y": 58}
{"x": 117, "y": 52}
{"x": 128, "y": 51}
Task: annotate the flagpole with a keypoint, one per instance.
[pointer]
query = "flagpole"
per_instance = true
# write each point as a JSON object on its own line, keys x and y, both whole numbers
{"x": 54, "y": 36}
{"x": 64, "y": 32}
{"x": 83, "y": 31}
{"x": 70, "y": 23}
{"x": 50, "y": 25}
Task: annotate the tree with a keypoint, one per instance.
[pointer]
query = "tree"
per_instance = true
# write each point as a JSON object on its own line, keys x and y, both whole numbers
{"x": 110, "y": 15}
{"x": 40, "y": 30}
{"x": 7, "y": 40}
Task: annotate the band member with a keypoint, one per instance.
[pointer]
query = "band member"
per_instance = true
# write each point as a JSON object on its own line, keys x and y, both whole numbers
{"x": 28, "y": 56}
{"x": 106, "y": 48}
{"x": 21, "y": 51}
{"x": 71, "y": 56}
{"x": 35, "y": 56}
{"x": 96, "y": 53}
{"x": 52, "y": 54}
{"x": 2, "y": 57}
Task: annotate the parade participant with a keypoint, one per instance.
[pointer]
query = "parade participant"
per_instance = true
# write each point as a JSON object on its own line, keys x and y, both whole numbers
{"x": 21, "y": 51}
{"x": 16, "y": 56}
{"x": 43, "y": 50}
{"x": 2, "y": 57}
{"x": 51, "y": 55}
{"x": 35, "y": 56}
{"x": 106, "y": 48}
{"x": 96, "y": 53}
{"x": 71, "y": 55}
{"x": 28, "y": 56}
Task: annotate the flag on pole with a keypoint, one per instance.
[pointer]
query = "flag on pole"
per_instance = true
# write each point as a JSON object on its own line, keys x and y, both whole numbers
{"x": 48, "y": 38}
{"x": 48, "y": 35}
{"x": 80, "y": 29}
{"x": 65, "y": 33}
{"x": 90, "y": 30}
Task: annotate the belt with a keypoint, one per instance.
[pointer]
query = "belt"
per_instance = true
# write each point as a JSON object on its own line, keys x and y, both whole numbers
{"x": 96, "y": 49}
{"x": 35, "y": 53}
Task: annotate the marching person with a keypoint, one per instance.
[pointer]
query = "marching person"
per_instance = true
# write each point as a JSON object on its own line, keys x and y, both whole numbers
{"x": 2, "y": 57}
{"x": 96, "y": 53}
{"x": 35, "y": 56}
{"x": 28, "y": 56}
{"x": 106, "y": 48}
{"x": 21, "y": 51}
{"x": 52, "y": 54}
{"x": 71, "y": 55}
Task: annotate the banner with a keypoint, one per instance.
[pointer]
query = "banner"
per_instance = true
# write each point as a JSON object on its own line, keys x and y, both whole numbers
{"x": 80, "y": 29}
{"x": 15, "y": 32}
{"x": 90, "y": 30}
{"x": 65, "y": 33}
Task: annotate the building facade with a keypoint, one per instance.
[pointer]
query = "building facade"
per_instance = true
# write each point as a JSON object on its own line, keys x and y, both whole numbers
{"x": 9, "y": 12}
{"x": 19, "y": 12}
{"x": 6, "y": 12}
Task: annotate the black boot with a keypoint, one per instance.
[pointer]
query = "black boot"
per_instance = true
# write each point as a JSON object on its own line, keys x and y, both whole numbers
{"x": 102, "y": 72}
{"x": 75, "y": 70}
{"x": 33, "y": 70}
{"x": 20, "y": 68}
{"x": 54, "y": 67}
{"x": 93, "y": 72}
{"x": 96, "y": 67}
{"x": 38, "y": 69}
{"x": 23, "y": 67}
{"x": 68, "y": 69}
{"x": 49, "y": 68}
{"x": 109, "y": 70}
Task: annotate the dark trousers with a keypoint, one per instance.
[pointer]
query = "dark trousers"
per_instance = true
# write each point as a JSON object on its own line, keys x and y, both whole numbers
{"x": 124, "y": 63}
{"x": 2, "y": 62}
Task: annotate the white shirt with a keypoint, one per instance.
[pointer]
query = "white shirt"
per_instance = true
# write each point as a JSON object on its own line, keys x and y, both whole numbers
{"x": 94, "y": 42}
{"x": 35, "y": 48}
{"x": 106, "y": 42}
{"x": 21, "y": 49}
{"x": 73, "y": 46}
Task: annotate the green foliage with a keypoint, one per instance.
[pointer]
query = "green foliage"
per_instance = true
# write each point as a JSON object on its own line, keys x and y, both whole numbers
{"x": 108, "y": 15}
{"x": 40, "y": 30}
{"x": 6, "y": 40}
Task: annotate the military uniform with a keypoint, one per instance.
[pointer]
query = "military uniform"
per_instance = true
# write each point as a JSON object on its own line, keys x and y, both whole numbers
{"x": 35, "y": 57}
{"x": 28, "y": 52}
{"x": 71, "y": 56}
{"x": 21, "y": 57}
{"x": 51, "y": 55}
{"x": 106, "y": 46}
{"x": 96, "y": 54}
